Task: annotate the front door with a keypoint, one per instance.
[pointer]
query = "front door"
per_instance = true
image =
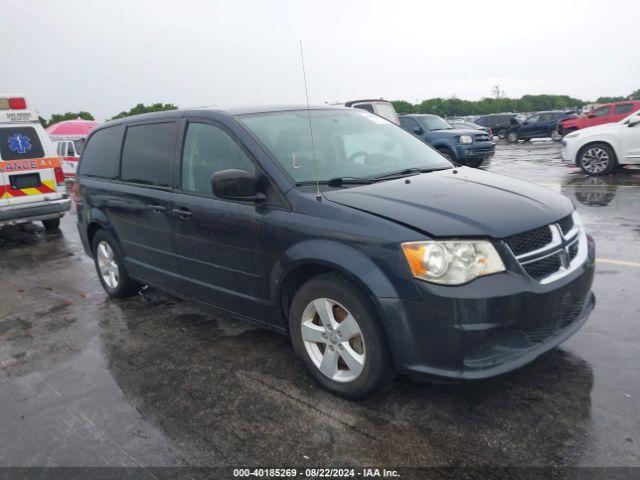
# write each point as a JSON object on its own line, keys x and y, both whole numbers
{"x": 630, "y": 141}
{"x": 219, "y": 242}
{"x": 529, "y": 128}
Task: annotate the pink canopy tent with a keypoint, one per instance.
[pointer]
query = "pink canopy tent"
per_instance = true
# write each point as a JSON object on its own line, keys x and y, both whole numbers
{"x": 71, "y": 129}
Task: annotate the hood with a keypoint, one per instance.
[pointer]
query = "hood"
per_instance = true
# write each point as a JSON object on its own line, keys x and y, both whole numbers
{"x": 456, "y": 131}
{"x": 470, "y": 203}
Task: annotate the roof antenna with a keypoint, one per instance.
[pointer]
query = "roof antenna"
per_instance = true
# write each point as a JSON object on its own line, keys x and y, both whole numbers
{"x": 313, "y": 145}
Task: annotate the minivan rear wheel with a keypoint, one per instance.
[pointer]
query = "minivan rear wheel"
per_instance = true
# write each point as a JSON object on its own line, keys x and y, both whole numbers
{"x": 110, "y": 268}
{"x": 502, "y": 133}
{"x": 337, "y": 333}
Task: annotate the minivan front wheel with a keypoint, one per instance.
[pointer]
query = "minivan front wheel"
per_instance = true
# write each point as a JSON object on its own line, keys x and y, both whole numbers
{"x": 336, "y": 331}
{"x": 109, "y": 266}
{"x": 512, "y": 137}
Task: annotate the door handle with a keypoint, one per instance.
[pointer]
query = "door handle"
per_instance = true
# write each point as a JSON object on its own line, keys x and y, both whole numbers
{"x": 157, "y": 208}
{"x": 183, "y": 213}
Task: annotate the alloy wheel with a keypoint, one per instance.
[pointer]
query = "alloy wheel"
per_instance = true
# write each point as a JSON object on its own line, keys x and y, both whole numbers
{"x": 333, "y": 340}
{"x": 556, "y": 135}
{"x": 107, "y": 265}
{"x": 595, "y": 160}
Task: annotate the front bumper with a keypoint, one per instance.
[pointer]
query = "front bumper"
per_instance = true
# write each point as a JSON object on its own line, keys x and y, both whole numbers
{"x": 32, "y": 212}
{"x": 567, "y": 152}
{"x": 474, "y": 151}
{"x": 489, "y": 326}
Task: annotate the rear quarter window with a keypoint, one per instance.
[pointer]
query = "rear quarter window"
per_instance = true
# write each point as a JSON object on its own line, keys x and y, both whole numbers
{"x": 17, "y": 143}
{"x": 147, "y": 154}
{"x": 624, "y": 108}
{"x": 102, "y": 153}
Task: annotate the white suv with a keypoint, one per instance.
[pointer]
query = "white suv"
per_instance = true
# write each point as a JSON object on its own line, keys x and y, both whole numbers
{"x": 598, "y": 150}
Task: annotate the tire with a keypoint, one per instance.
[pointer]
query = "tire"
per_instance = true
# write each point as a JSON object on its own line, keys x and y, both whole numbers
{"x": 502, "y": 133}
{"x": 353, "y": 367}
{"x": 51, "y": 224}
{"x": 597, "y": 159}
{"x": 556, "y": 136}
{"x": 512, "y": 137}
{"x": 110, "y": 268}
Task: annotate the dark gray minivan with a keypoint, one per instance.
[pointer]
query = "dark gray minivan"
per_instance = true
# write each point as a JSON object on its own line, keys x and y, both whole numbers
{"x": 342, "y": 230}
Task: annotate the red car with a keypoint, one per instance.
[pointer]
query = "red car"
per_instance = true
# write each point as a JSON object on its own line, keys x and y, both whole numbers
{"x": 609, "y": 113}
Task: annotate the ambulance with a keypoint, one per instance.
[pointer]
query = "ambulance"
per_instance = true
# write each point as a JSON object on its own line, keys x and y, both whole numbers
{"x": 31, "y": 178}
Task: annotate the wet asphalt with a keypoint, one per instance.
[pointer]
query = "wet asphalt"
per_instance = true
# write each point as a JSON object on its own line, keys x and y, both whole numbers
{"x": 156, "y": 381}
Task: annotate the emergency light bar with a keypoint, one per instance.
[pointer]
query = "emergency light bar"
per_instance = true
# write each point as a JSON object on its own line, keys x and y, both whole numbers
{"x": 13, "y": 103}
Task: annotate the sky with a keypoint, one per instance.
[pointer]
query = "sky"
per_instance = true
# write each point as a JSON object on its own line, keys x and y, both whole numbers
{"x": 107, "y": 56}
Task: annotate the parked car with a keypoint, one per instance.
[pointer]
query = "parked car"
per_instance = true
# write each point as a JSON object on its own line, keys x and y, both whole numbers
{"x": 463, "y": 146}
{"x": 379, "y": 107}
{"x": 465, "y": 124}
{"x": 499, "y": 123}
{"x": 538, "y": 125}
{"x": 69, "y": 152}
{"x": 609, "y": 113}
{"x": 31, "y": 179}
{"x": 598, "y": 150}
{"x": 364, "y": 245}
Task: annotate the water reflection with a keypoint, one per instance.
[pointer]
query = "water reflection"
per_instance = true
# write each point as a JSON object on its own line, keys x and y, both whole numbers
{"x": 238, "y": 396}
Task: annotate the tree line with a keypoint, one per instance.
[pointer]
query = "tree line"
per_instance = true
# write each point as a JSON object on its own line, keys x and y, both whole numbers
{"x": 445, "y": 107}
{"x": 452, "y": 107}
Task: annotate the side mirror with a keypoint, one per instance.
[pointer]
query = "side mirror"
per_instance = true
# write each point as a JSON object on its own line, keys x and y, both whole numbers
{"x": 417, "y": 130}
{"x": 634, "y": 121}
{"x": 235, "y": 185}
{"x": 525, "y": 122}
{"x": 591, "y": 115}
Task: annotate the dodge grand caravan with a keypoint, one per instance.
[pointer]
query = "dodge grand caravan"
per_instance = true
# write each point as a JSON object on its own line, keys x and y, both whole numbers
{"x": 366, "y": 246}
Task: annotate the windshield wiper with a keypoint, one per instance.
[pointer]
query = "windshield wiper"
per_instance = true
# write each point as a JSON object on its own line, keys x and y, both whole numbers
{"x": 339, "y": 181}
{"x": 409, "y": 171}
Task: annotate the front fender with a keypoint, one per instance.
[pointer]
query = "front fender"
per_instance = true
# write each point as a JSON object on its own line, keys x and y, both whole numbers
{"x": 337, "y": 256}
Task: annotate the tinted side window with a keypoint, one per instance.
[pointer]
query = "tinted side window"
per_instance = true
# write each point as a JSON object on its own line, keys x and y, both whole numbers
{"x": 624, "y": 108}
{"x": 365, "y": 106}
{"x": 408, "y": 123}
{"x": 17, "y": 143}
{"x": 601, "y": 112}
{"x": 207, "y": 150}
{"x": 481, "y": 121}
{"x": 147, "y": 155}
{"x": 102, "y": 153}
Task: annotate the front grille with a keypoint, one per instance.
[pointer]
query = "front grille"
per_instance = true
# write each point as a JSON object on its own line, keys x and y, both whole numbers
{"x": 482, "y": 137}
{"x": 544, "y": 267}
{"x": 573, "y": 250}
{"x": 566, "y": 224}
{"x": 529, "y": 241}
{"x": 495, "y": 349}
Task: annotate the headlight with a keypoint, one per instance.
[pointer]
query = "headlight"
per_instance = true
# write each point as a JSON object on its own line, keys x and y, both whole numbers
{"x": 572, "y": 135}
{"x": 452, "y": 262}
{"x": 465, "y": 139}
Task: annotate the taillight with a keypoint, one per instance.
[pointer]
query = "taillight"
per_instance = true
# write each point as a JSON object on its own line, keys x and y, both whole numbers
{"x": 59, "y": 176}
{"x": 17, "y": 103}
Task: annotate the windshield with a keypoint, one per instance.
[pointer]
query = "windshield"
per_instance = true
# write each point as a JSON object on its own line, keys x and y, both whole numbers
{"x": 348, "y": 143}
{"x": 433, "y": 122}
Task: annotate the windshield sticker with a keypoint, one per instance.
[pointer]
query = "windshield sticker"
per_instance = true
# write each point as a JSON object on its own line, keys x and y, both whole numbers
{"x": 19, "y": 143}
